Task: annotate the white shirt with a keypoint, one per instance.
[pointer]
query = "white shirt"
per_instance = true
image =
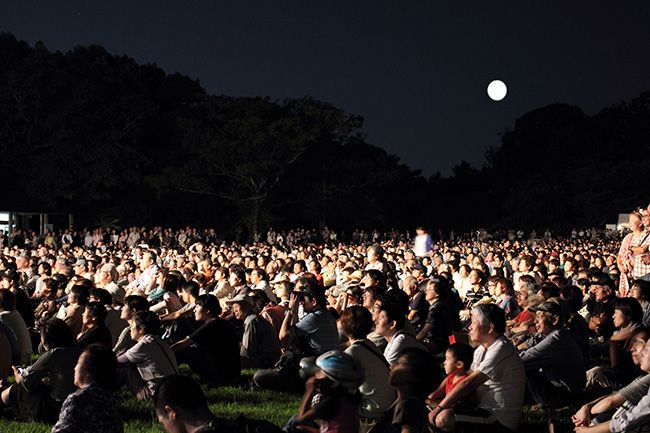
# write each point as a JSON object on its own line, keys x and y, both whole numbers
{"x": 503, "y": 393}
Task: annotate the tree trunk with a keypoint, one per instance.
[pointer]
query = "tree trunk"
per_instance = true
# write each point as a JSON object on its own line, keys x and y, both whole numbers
{"x": 254, "y": 218}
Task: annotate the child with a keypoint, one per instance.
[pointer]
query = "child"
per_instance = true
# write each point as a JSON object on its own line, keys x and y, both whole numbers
{"x": 331, "y": 396}
{"x": 458, "y": 360}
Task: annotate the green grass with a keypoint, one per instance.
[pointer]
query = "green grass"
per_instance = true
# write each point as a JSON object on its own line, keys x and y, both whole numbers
{"x": 231, "y": 402}
{"x": 225, "y": 402}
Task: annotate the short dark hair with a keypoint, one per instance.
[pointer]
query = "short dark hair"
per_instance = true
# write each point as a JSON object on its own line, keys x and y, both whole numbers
{"x": 148, "y": 321}
{"x": 464, "y": 353}
{"x": 57, "y": 333}
{"x": 81, "y": 292}
{"x": 137, "y": 303}
{"x": 377, "y": 275}
{"x": 172, "y": 282}
{"x": 101, "y": 365}
{"x": 395, "y": 312}
{"x": 193, "y": 288}
{"x": 209, "y": 303}
{"x": 97, "y": 311}
{"x": 103, "y": 295}
{"x": 630, "y": 308}
{"x": 179, "y": 392}
{"x": 356, "y": 322}
{"x": 239, "y": 273}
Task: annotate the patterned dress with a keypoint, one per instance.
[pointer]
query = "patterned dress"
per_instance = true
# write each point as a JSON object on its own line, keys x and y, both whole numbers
{"x": 89, "y": 410}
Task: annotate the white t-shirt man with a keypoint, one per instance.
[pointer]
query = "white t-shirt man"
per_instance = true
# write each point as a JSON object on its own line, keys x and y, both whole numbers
{"x": 503, "y": 393}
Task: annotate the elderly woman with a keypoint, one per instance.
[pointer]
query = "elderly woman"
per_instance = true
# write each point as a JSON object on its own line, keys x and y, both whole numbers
{"x": 92, "y": 408}
{"x": 151, "y": 359}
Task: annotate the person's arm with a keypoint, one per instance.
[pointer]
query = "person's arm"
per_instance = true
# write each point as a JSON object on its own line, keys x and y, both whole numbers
{"x": 290, "y": 319}
{"x": 600, "y": 405}
{"x": 181, "y": 345}
{"x": 424, "y": 331}
{"x": 439, "y": 393}
{"x": 464, "y": 388}
{"x": 249, "y": 341}
{"x": 598, "y": 428}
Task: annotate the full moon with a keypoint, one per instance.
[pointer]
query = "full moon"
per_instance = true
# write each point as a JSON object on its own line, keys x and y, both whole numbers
{"x": 497, "y": 90}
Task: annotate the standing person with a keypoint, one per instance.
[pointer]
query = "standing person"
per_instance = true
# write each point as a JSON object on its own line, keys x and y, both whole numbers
{"x": 92, "y": 408}
{"x": 497, "y": 379}
{"x": 423, "y": 243}
{"x": 630, "y": 256}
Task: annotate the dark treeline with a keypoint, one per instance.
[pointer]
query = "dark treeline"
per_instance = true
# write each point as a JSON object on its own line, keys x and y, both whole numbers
{"x": 107, "y": 139}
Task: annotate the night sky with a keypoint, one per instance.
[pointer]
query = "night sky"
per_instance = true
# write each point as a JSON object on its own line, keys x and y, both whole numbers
{"x": 417, "y": 71}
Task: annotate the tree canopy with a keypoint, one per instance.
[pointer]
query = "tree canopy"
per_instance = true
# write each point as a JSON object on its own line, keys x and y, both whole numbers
{"x": 101, "y": 136}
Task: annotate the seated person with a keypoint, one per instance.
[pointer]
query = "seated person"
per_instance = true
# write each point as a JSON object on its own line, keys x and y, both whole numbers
{"x": 181, "y": 323}
{"x": 600, "y": 320}
{"x": 439, "y": 324}
{"x": 260, "y": 347}
{"x": 526, "y": 298}
{"x": 132, "y": 304}
{"x": 602, "y": 408}
{"x": 554, "y": 367}
{"x": 376, "y": 393}
{"x": 310, "y": 335}
{"x": 73, "y": 312}
{"x": 331, "y": 399}
{"x": 212, "y": 351}
{"x": 497, "y": 380}
{"x": 114, "y": 322}
{"x": 458, "y": 359}
{"x": 29, "y": 397}
{"x": 413, "y": 375}
{"x": 389, "y": 324}
{"x": 14, "y": 321}
{"x": 632, "y": 417}
{"x": 94, "y": 329}
{"x": 621, "y": 370}
{"x": 143, "y": 365}
{"x": 92, "y": 408}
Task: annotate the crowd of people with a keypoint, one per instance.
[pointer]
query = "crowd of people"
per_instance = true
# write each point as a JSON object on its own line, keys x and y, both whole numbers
{"x": 388, "y": 331}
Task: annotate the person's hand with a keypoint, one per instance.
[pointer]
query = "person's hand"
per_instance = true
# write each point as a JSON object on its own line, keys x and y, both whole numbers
{"x": 582, "y": 417}
{"x": 293, "y": 301}
{"x": 17, "y": 376}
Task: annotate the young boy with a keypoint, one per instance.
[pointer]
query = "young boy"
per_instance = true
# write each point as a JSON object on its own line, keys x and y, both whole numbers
{"x": 458, "y": 360}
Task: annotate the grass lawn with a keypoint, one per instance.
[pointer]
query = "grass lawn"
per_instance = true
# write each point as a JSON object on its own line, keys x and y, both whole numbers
{"x": 230, "y": 402}
{"x": 226, "y": 402}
